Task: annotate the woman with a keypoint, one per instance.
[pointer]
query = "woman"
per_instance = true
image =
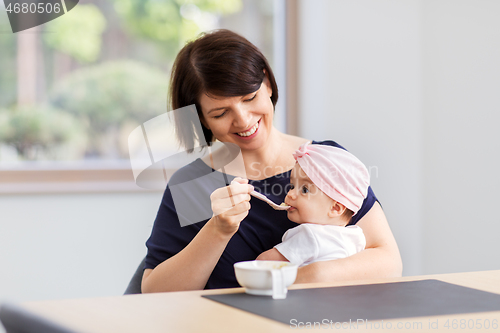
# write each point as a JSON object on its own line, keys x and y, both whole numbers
{"x": 234, "y": 90}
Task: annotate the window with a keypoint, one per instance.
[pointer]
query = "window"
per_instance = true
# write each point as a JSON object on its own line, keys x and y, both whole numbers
{"x": 73, "y": 89}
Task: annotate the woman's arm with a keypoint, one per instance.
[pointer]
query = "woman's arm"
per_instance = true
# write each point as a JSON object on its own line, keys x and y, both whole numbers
{"x": 380, "y": 258}
{"x": 191, "y": 268}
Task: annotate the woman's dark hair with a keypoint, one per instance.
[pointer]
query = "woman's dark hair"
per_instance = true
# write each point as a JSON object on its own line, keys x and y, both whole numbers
{"x": 219, "y": 63}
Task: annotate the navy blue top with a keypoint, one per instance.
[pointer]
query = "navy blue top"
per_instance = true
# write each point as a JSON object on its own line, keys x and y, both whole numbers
{"x": 260, "y": 231}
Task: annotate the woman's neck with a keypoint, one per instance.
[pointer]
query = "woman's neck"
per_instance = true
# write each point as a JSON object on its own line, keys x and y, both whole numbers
{"x": 273, "y": 158}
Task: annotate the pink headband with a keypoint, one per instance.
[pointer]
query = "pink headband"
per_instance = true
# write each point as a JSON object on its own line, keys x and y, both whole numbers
{"x": 336, "y": 172}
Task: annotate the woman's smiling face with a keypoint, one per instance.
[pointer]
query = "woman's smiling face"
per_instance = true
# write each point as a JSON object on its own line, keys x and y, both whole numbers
{"x": 244, "y": 120}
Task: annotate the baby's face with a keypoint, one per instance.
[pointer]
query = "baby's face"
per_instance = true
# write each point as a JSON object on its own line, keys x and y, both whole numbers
{"x": 308, "y": 203}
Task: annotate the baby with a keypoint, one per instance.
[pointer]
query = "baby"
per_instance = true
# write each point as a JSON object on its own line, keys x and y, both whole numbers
{"x": 328, "y": 186}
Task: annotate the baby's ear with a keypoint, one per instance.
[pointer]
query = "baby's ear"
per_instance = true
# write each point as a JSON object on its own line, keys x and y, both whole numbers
{"x": 336, "y": 209}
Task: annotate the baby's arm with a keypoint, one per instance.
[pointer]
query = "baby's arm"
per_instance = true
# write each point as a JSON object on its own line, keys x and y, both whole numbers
{"x": 271, "y": 254}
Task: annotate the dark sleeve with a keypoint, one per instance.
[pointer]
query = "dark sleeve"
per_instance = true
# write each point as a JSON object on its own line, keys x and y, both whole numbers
{"x": 367, "y": 205}
{"x": 167, "y": 237}
{"x": 370, "y": 197}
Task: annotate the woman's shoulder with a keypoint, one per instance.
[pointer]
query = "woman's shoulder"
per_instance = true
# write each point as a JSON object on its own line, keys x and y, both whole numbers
{"x": 297, "y": 141}
{"x": 294, "y": 141}
{"x": 328, "y": 143}
{"x": 190, "y": 171}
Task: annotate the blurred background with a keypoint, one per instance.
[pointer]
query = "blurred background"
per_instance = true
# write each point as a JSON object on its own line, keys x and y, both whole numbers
{"x": 410, "y": 87}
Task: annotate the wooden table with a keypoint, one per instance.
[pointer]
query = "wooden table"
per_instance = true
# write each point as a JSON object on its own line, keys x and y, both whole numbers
{"x": 189, "y": 312}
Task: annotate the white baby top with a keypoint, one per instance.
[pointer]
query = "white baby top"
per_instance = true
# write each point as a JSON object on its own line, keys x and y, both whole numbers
{"x": 309, "y": 242}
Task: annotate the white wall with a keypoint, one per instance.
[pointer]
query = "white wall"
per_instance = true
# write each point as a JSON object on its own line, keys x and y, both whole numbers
{"x": 72, "y": 245}
{"x": 462, "y": 139}
{"x": 409, "y": 87}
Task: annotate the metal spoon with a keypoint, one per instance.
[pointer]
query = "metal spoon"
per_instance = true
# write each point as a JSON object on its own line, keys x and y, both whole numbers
{"x": 266, "y": 199}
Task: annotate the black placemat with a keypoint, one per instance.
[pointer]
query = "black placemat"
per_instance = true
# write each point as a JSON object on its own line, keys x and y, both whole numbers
{"x": 366, "y": 302}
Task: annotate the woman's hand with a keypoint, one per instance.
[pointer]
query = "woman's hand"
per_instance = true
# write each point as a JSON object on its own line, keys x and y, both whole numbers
{"x": 230, "y": 205}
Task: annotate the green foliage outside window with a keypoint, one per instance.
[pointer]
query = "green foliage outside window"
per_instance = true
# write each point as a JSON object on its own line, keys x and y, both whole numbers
{"x": 7, "y": 68}
{"x": 111, "y": 97}
{"x": 78, "y": 33}
{"x": 36, "y": 130}
{"x": 171, "y": 22}
{"x": 94, "y": 104}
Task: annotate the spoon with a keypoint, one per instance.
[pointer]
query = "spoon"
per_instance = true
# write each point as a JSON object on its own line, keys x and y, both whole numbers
{"x": 266, "y": 199}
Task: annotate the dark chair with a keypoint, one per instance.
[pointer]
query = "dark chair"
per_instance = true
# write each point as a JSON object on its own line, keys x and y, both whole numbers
{"x": 134, "y": 286}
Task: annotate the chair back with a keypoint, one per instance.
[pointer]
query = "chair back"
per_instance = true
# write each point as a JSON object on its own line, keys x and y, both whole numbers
{"x": 134, "y": 286}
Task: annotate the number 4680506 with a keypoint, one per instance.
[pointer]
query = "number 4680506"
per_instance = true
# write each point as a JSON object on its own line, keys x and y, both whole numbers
{"x": 471, "y": 324}
{"x": 34, "y": 8}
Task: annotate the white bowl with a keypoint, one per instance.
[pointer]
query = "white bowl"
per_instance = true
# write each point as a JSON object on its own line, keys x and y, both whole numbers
{"x": 257, "y": 278}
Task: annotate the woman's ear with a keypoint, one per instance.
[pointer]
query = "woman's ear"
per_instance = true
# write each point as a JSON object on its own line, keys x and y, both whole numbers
{"x": 268, "y": 84}
{"x": 336, "y": 209}
{"x": 203, "y": 121}
{"x": 199, "y": 110}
